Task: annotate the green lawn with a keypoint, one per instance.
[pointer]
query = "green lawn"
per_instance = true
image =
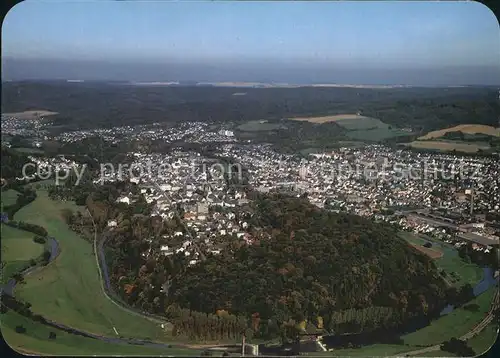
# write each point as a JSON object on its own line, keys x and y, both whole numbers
{"x": 377, "y": 134}
{"x": 450, "y": 262}
{"x": 484, "y": 340}
{"x": 36, "y": 340}
{"x": 464, "y": 272}
{"x": 18, "y": 245}
{"x": 368, "y": 129}
{"x": 455, "y": 324}
{"x": 18, "y": 248}
{"x": 69, "y": 290}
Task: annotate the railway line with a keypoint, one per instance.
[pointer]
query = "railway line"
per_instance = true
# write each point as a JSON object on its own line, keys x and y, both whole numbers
{"x": 490, "y": 316}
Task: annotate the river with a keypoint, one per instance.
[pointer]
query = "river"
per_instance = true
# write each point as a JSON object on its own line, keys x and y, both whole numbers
{"x": 488, "y": 281}
{"x": 393, "y": 337}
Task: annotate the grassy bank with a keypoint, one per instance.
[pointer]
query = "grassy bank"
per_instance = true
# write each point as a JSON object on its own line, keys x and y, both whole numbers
{"x": 18, "y": 248}
{"x": 35, "y": 340}
{"x": 458, "y": 271}
{"x": 68, "y": 290}
{"x": 484, "y": 340}
{"x": 455, "y": 324}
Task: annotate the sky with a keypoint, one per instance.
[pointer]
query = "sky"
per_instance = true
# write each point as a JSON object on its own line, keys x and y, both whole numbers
{"x": 260, "y": 39}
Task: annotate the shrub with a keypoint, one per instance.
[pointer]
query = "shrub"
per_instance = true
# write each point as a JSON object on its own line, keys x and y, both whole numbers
{"x": 39, "y": 239}
{"x": 473, "y": 307}
{"x": 52, "y": 335}
{"x": 37, "y": 318}
{"x": 20, "y": 329}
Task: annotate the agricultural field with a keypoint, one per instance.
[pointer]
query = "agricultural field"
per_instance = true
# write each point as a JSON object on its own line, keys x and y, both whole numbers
{"x": 35, "y": 341}
{"x": 448, "y": 146}
{"x": 432, "y": 253}
{"x": 18, "y": 248}
{"x": 72, "y": 293}
{"x": 376, "y": 134}
{"x": 359, "y": 128}
{"x": 335, "y": 118}
{"x": 258, "y": 126}
{"x": 464, "y": 128}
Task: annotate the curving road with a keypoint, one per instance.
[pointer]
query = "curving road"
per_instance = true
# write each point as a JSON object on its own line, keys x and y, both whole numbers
{"x": 106, "y": 287}
{"x": 103, "y": 273}
{"x": 9, "y": 289}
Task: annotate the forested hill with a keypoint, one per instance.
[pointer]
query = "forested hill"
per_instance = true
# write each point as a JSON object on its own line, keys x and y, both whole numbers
{"x": 99, "y": 104}
{"x": 310, "y": 263}
{"x": 12, "y": 164}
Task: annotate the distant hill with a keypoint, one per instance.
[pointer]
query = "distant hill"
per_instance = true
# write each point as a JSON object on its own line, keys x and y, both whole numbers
{"x": 464, "y": 128}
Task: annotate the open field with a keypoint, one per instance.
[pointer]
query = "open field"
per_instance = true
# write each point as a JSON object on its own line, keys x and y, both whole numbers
{"x": 376, "y": 134}
{"x": 18, "y": 248}
{"x": 258, "y": 126}
{"x": 458, "y": 272}
{"x": 454, "y": 324}
{"x": 448, "y": 146}
{"x": 36, "y": 340}
{"x": 30, "y": 114}
{"x": 359, "y": 128}
{"x": 18, "y": 245}
{"x": 433, "y": 254}
{"x": 464, "y": 128}
{"x": 326, "y": 119}
{"x": 484, "y": 340}
{"x": 68, "y": 290}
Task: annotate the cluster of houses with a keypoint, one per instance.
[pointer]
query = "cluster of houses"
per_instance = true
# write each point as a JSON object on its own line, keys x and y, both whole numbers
{"x": 209, "y": 208}
{"x": 365, "y": 180}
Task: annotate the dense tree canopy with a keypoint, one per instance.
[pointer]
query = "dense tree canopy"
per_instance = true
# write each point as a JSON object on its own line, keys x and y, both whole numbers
{"x": 94, "y": 105}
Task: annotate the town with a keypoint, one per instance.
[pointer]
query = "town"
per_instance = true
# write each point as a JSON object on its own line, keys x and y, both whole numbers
{"x": 446, "y": 196}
